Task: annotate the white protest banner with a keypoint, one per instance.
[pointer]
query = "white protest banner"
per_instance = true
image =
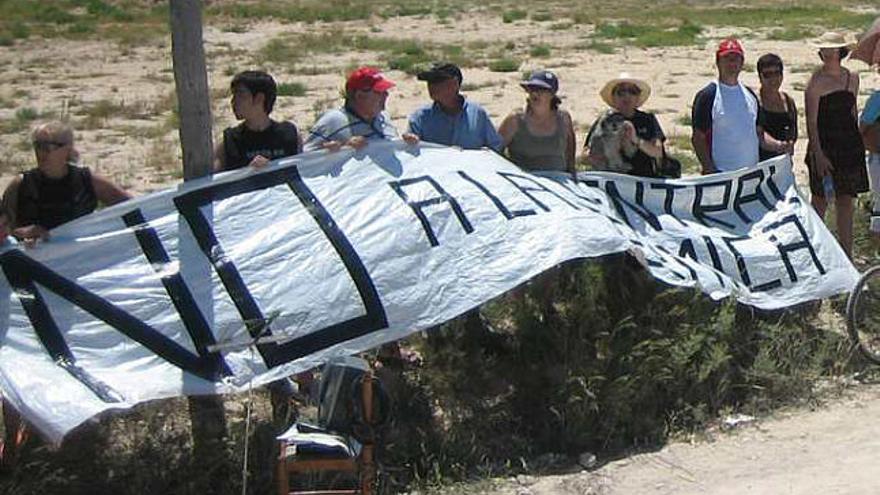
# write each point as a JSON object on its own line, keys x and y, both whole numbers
{"x": 333, "y": 254}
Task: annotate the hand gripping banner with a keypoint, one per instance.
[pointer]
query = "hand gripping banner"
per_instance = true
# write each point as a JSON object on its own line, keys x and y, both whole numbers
{"x": 328, "y": 254}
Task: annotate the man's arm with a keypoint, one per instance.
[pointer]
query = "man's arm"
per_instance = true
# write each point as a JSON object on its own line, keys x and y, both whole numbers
{"x": 491, "y": 138}
{"x": 701, "y": 127}
{"x": 700, "y": 142}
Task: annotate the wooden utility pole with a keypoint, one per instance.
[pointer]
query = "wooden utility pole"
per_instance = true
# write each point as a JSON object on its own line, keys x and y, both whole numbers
{"x": 206, "y": 412}
{"x": 191, "y": 80}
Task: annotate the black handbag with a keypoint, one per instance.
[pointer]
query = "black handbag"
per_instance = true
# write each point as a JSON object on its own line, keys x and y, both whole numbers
{"x": 669, "y": 167}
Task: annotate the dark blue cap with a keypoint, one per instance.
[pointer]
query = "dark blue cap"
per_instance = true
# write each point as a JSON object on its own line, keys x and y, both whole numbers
{"x": 542, "y": 79}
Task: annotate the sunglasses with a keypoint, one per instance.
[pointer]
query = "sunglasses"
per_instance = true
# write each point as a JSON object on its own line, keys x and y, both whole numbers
{"x": 48, "y": 145}
{"x": 628, "y": 91}
{"x": 537, "y": 89}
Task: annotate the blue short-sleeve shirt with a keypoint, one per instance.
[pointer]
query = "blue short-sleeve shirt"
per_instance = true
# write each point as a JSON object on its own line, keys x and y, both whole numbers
{"x": 871, "y": 112}
{"x": 341, "y": 124}
{"x": 471, "y": 128}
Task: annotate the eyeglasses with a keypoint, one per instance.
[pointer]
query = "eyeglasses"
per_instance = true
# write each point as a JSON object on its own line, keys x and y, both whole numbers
{"x": 48, "y": 145}
{"x": 634, "y": 91}
{"x": 771, "y": 73}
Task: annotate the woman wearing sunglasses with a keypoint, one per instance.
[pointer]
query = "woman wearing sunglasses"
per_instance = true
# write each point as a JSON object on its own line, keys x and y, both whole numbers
{"x": 58, "y": 190}
{"x": 542, "y": 137}
{"x": 835, "y": 148}
{"x": 639, "y": 143}
{"x": 778, "y": 111}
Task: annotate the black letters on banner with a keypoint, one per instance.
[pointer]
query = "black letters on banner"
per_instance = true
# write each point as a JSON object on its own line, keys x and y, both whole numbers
{"x": 669, "y": 198}
{"x": 741, "y": 199}
{"x": 22, "y": 273}
{"x": 418, "y": 206}
{"x": 785, "y": 249}
{"x": 537, "y": 187}
{"x": 275, "y": 354}
{"x": 771, "y": 183}
{"x": 619, "y": 203}
{"x": 700, "y": 210}
{"x": 495, "y": 199}
{"x": 198, "y": 329}
{"x": 687, "y": 249}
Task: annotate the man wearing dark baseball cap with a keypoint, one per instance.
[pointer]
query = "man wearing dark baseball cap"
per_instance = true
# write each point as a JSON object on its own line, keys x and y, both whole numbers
{"x": 361, "y": 119}
{"x": 726, "y": 130}
{"x": 451, "y": 119}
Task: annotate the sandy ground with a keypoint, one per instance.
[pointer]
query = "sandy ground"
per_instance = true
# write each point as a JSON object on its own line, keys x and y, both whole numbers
{"x": 136, "y": 148}
{"x": 832, "y": 450}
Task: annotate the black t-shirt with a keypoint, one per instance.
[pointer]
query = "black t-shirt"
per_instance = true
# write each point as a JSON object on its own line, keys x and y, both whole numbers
{"x": 241, "y": 145}
{"x": 647, "y": 128}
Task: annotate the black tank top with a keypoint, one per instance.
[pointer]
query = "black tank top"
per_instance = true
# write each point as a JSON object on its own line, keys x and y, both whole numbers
{"x": 51, "y": 202}
{"x": 780, "y": 125}
{"x": 241, "y": 144}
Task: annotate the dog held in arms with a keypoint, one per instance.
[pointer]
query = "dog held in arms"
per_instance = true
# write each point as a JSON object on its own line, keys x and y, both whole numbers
{"x": 609, "y": 137}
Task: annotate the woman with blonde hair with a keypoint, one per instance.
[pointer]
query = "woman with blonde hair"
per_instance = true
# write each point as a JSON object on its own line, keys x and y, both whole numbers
{"x": 542, "y": 136}
{"x": 58, "y": 190}
{"x": 835, "y": 153}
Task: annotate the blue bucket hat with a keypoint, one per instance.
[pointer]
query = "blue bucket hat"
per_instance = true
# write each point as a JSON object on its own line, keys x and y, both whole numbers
{"x": 542, "y": 79}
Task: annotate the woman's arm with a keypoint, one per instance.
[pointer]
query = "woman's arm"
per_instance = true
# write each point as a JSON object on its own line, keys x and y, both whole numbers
{"x": 811, "y": 102}
{"x": 10, "y": 201}
{"x": 855, "y": 91}
{"x": 107, "y": 192}
{"x": 570, "y": 146}
{"x": 507, "y": 129}
{"x": 793, "y": 115}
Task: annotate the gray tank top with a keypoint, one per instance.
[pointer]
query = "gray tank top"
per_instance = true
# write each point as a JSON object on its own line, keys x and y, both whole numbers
{"x": 533, "y": 152}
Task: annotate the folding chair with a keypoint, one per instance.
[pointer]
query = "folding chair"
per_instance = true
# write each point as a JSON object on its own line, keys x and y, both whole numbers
{"x": 352, "y": 410}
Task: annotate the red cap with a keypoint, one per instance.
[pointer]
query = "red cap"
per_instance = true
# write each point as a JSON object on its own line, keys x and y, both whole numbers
{"x": 730, "y": 45}
{"x": 368, "y": 78}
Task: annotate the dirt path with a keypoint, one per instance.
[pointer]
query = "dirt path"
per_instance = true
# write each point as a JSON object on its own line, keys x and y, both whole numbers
{"x": 833, "y": 449}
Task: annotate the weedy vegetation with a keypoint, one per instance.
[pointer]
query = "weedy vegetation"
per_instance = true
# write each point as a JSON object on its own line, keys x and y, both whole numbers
{"x": 594, "y": 355}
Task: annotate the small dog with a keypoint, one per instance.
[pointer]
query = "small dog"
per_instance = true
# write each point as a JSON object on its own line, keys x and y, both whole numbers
{"x": 609, "y": 137}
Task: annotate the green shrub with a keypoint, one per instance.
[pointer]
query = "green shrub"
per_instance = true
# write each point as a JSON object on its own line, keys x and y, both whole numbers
{"x": 648, "y": 35}
{"x": 541, "y": 16}
{"x": 539, "y": 51}
{"x": 598, "y": 356}
{"x": 292, "y": 89}
{"x": 26, "y": 114}
{"x": 509, "y": 16}
{"x": 504, "y": 65}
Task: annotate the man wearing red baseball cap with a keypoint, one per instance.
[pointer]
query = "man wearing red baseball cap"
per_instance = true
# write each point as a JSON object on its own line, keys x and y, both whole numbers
{"x": 726, "y": 131}
{"x": 361, "y": 119}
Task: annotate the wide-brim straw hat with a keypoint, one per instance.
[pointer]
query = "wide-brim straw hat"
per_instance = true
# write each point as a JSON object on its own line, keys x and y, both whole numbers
{"x": 607, "y": 91}
{"x": 832, "y": 39}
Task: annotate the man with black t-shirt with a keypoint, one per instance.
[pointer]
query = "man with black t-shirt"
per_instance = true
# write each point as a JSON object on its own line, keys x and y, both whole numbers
{"x": 258, "y": 139}
{"x": 255, "y": 142}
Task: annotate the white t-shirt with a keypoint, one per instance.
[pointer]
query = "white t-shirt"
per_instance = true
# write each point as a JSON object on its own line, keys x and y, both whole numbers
{"x": 734, "y": 132}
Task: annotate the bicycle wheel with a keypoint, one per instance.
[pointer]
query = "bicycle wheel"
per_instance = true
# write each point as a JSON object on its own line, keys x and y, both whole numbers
{"x": 863, "y": 314}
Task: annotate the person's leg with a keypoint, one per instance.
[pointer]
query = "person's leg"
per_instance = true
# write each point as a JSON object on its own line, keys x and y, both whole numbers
{"x": 844, "y": 206}
{"x": 16, "y": 434}
{"x": 874, "y": 178}
{"x": 819, "y": 204}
